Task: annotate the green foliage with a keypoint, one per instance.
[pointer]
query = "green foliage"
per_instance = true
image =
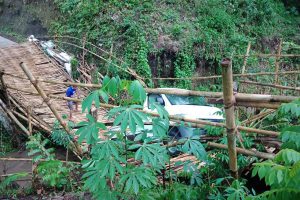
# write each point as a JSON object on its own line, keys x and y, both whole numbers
{"x": 290, "y": 137}
{"x": 89, "y": 130}
{"x": 37, "y": 147}
{"x": 237, "y": 190}
{"x": 136, "y": 177}
{"x": 193, "y": 146}
{"x": 128, "y": 116}
{"x": 283, "y": 173}
{"x": 110, "y": 173}
{"x": 94, "y": 97}
{"x": 177, "y": 36}
{"x": 53, "y": 173}
{"x": 153, "y": 154}
{"x": 5, "y": 184}
{"x": 60, "y": 136}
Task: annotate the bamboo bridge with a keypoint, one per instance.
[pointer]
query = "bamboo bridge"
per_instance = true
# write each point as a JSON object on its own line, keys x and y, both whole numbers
{"x": 22, "y": 98}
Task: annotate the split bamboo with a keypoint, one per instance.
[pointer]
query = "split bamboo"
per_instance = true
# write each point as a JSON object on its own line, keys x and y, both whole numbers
{"x": 272, "y": 85}
{"x": 229, "y": 113}
{"x": 277, "y": 62}
{"x": 35, "y": 83}
{"x": 243, "y": 151}
{"x": 184, "y": 119}
{"x": 29, "y": 111}
{"x": 246, "y": 58}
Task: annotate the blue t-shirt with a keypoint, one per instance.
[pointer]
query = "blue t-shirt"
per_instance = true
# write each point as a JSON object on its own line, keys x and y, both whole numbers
{"x": 70, "y": 91}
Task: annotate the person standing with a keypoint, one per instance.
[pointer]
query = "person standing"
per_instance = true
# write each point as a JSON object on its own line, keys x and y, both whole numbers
{"x": 71, "y": 91}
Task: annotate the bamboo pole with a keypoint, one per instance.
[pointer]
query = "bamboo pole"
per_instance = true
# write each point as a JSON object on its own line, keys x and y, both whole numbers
{"x": 272, "y": 85}
{"x": 26, "y": 119}
{"x": 44, "y": 125}
{"x": 184, "y": 119}
{"x": 13, "y": 118}
{"x": 277, "y": 62}
{"x": 243, "y": 97}
{"x": 4, "y": 86}
{"x": 29, "y": 111}
{"x": 243, "y": 151}
{"x": 269, "y": 105}
{"x": 187, "y": 78}
{"x": 239, "y": 96}
{"x": 234, "y": 75}
{"x": 229, "y": 112}
{"x": 22, "y": 90}
{"x": 269, "y": 55}
{"x": 246, "y": 58}
{"x": 37, "y": 86}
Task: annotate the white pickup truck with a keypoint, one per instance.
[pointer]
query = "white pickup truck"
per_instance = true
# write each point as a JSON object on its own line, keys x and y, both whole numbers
{"x": 186, "y": 106}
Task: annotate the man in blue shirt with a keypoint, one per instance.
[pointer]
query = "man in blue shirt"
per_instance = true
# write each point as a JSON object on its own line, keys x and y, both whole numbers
{"x": 71, "y": 91}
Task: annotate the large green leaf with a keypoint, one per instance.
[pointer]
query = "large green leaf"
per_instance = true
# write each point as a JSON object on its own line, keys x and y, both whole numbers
{"x": 137, "y": 177}
{"x": 153, "y": 154}
{"x": 89, "y": 130}
{"x": 193, "y": 146}
{"x": 137, "y": 91}
{"x": 128, "y": 117}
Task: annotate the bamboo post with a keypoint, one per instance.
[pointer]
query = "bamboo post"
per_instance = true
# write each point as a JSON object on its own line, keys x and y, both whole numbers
{"x": 46, "y": 99}
{"x": 29, "y": 111}
{"x": 229, "y": 112}
{"x": 246, "y": 58}
{"x": 277, "y": 62}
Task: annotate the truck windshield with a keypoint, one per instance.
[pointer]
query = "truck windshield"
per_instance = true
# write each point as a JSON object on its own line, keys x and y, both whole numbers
{"x": 186, "y": 100}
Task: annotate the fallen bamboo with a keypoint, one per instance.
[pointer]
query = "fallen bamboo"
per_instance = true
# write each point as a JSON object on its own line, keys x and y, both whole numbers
{"x": 188, "y": 78}
{"x": 269, "y": 105}
{"x": 239, "y": 96}
{"x": 35, "y": 83}
{"x": 257, "y": 117}
{"x": 272, "y": 85}
{"x": 243, "y": 151}
{"x": 45, "y": 126}
{"x": 26, "y": 119}
{"x": 229, "y": 113}
{"x": 184, "y": 119}
{"x": 13, "y": 118}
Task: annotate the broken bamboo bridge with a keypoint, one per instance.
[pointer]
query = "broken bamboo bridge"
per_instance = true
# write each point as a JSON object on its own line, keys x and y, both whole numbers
{"x": 33, "y": 96}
